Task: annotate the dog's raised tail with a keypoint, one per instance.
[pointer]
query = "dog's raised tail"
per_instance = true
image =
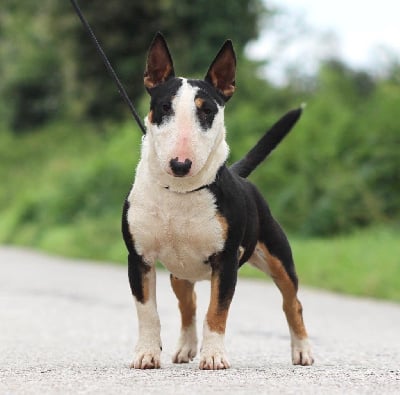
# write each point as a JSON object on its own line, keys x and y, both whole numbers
{"x": 266, "y": 144}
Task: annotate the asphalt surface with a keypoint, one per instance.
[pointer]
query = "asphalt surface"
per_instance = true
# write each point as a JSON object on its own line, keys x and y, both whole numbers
{"x": 69, "y": 327}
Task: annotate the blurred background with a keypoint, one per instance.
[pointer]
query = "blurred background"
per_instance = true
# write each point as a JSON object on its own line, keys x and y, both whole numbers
{"x": 68, "y": 146}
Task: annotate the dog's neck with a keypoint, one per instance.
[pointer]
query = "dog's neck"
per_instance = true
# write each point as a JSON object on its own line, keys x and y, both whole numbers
{"x": 150, "y": 168}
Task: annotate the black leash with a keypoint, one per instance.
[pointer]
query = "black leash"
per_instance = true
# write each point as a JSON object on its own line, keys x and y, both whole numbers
{"x": 109, "y": 68}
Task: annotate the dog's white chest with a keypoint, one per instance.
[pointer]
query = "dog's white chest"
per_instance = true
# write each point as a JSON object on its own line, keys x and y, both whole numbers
{"x": 180, "y": 230}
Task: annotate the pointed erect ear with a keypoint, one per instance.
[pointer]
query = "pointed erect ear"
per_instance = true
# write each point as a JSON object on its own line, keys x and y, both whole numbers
{"x": 159, "y": 66}
{"x": 221, "y": 73}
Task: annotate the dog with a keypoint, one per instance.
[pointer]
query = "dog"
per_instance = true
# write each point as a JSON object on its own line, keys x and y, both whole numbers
{"x": 199, "y": 218}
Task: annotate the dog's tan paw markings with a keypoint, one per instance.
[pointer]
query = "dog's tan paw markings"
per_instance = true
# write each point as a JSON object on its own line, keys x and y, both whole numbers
{"x": 216, "y": 361}
{"x": 184, "y": 355}
{"x": 146, "y": 360}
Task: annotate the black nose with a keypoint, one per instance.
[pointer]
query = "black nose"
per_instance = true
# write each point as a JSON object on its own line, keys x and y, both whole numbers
{"x": 180, "y": 169}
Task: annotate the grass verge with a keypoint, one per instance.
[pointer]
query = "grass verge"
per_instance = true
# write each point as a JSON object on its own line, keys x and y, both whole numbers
{"x": 365, "y": 263}
{"x": 63, "y": 190}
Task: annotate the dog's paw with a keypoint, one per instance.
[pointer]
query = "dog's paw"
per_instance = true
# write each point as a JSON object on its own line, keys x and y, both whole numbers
{"x": 213, "y": 360}
{"x": 212, "y": 353}
{"x": 184, "y": 354}
{"x": 187, "y": 346}
{"x": 301, "y": 353}
{"x": 146, "y": 359}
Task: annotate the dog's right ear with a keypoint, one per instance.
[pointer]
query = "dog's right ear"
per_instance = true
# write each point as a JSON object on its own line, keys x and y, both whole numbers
{"x": 159, "y": 66}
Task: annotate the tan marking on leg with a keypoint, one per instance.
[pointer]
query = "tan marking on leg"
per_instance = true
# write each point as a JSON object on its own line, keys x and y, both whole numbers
{"x": 216, "y": 315}
{"x": 270, "y": 264}
{"x": 187, "y": 344}
{"x": 146, "y": 288}
{"x": 213, "y": 355}
{"x": 224, "y": 225}
{"x": 150, "y": 116}
{"x": 184, "y": 291}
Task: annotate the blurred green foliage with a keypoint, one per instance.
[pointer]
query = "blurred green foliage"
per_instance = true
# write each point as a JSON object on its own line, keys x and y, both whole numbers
{"x": 365, "y": 262}
{"x": 339, "y": 168}
{"x": 49, "y": 66}
{"x": 29, "y": 67}
{"x": 68, "y": 149}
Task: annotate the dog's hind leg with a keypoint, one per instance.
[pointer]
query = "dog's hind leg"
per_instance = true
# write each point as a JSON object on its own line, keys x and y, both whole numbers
{"x": 273, "y": 256}
{"x": 187, "y": 344}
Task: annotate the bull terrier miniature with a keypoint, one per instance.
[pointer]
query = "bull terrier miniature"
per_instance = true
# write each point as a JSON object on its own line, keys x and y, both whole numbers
{"x": 200, "y": 218}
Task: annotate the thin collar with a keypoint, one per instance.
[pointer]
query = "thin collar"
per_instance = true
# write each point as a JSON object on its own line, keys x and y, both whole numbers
{"x": 203, "y": 186}
{"x": 194, "y": 190}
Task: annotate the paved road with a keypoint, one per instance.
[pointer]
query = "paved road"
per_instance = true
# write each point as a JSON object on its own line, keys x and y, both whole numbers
{"x": 68, "y": 327}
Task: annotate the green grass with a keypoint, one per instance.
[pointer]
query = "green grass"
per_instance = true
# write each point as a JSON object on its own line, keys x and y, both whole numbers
{"x": 364, "y": 263}
{"x": 64, "y": 188}
{"x": 62, "y": 192}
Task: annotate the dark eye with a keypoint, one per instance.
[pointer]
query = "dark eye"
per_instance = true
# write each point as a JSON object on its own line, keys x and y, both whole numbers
{"x": 166, "y": 107}
{"x": 206, "y": 110}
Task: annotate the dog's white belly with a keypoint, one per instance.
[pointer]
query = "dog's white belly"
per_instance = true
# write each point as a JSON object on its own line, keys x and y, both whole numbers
{"x": 180, "y": 230}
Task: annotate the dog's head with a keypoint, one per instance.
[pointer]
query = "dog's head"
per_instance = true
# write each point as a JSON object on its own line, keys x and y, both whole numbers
{"x": 185, "y": 125}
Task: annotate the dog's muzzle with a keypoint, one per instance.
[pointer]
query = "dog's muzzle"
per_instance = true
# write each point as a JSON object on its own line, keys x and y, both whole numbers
{"x": 180, "y": 169}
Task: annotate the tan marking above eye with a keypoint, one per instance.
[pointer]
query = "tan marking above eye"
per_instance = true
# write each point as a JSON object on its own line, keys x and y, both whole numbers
{"x": 199, "y": 102}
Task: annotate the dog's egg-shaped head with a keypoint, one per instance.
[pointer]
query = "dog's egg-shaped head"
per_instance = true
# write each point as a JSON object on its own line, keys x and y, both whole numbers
{"x": 185, "y": 124}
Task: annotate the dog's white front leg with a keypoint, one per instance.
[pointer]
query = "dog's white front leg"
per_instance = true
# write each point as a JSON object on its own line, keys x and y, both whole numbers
{"x": 148, "y": 347}
{"x": 213, "y": 354}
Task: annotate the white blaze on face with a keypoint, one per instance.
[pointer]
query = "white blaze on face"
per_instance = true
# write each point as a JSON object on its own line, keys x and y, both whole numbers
{"x": 186, "y": 125}
{"x": 181, "y": 136}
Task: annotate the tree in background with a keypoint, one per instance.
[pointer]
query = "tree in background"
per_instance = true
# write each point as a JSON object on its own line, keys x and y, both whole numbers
{"x": 30, "y": 69}
{"x": 125, "y": 28}
{"x": 337, "y": 171}
{"x": 50, "y": 67}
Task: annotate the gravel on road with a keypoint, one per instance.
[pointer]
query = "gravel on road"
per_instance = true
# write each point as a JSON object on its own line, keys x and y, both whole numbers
{"x": 69, "y": 327}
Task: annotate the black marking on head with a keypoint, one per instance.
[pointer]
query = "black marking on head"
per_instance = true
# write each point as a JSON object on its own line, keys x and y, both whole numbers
{"x": 161, "y": 100}
{"x": 208, "y": 90}
{"x": 206, "y": 100}
{"x": 206, "y": 109}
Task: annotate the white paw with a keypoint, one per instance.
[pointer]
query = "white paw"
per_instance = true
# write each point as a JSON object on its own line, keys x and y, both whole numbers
{"x": 147, "y": 358}
{"x": 212, "y": 353}
{"x": 184, "y": 354}
{"x": 301, "y": 353}
{"x": 213, "y": 360}
{"x": 187, "y": 345}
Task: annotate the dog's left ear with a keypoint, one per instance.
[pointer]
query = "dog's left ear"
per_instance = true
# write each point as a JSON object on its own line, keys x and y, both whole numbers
{"x": 221, "y": 73}
{"x": 159, "y": 66}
